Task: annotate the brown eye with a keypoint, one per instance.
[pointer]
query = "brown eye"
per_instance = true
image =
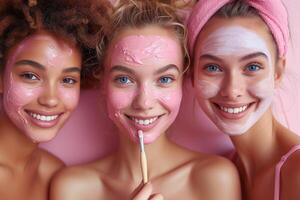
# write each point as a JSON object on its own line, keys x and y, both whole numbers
{"x": 29, "y": 76}
{"x": 70, "y": 81}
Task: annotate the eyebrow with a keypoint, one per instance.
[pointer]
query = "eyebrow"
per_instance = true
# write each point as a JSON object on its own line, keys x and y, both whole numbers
{"x": 253, "y": 55}
{"x": 130, "y": 71}
{"x": 72, "y": 69}
{"x": 247, "y": 57}
{"x": 31, "y": 63}
{"x": 211, "y": 57}
{"x": 166, "y": 68}
{"x": 41, "y": 67}
{"x": 121, "y": 68}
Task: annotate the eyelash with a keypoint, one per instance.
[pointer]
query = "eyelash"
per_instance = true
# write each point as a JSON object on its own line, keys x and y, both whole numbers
{"x": 208, "y": 69}
{"x": 257, "y": 67}
{"x": 118, "y": 80}
{"x": 29, "y": 76}
{"x": 170, "y": 80}
{"x": 69, "y": 81}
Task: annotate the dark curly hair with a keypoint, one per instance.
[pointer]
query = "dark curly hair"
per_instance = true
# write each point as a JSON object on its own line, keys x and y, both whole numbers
{"x": 141, "y": 13}
{"x": 78, "y": 21}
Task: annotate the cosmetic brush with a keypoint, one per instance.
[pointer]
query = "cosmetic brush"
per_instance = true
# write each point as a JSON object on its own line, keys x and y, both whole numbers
{"x": 143, "y": 158}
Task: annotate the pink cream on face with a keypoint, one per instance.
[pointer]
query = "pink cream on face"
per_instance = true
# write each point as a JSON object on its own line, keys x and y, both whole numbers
{"x": 144, "y": 54}
{"x": 19, "y": 96}
{"x": 231, "y": 43}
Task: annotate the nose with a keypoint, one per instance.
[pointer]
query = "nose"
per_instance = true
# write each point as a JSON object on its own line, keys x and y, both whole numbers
{"x": 144, "y": 99}
{"x": 233, "y": 87}
{"x": 49, "y": 96}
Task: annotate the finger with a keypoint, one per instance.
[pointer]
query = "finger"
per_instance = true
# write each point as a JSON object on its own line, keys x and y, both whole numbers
{"x": 144, "y": 193}
{"x": 156, "y": 197}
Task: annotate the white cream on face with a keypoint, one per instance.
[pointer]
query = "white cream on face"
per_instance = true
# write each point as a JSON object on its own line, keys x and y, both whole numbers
{"x": 234, "y": 40}
{"x": 232, "y": 43}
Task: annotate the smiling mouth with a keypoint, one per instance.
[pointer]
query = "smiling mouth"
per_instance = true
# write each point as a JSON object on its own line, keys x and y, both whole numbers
{"x": 42, "y": 118}
{"x": 143, "y": 121}
{"x": 233, "y": 110}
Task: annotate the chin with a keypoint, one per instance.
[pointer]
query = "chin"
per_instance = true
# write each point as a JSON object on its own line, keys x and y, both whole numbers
{"x": 38, "y": 136}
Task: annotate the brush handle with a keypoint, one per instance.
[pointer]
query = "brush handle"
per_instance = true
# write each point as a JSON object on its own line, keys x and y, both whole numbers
{"x": 144, "y": 167}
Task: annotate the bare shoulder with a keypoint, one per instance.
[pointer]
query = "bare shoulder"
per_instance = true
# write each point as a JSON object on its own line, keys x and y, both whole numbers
{"x": 49, "y": 164}
{"x": 290, "y": 177}
{"x": 76, "y": 183}
{"x": 213, "y": 176}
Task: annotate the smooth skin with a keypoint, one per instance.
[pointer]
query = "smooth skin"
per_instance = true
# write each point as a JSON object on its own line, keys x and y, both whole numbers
{"x": 25, "y": 169}
{"x": 261, "y": 147}
{"x": 174, "y": 172}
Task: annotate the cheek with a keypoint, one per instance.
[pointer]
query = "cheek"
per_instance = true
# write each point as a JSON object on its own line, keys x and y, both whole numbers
{"x": 17, "y": 94}
{"x": 69, "y": 97}
{"x": 118, "y": 99}
{"x": 206, "y": 89}
{"x": 170, "y": 99}
{"x": 264, "y": 88}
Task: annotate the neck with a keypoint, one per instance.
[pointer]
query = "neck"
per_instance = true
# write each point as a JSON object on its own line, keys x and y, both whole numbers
{"x": 128, "y": 157}
{"x": 258, "y": 148}
{"x": 15, "y": 146}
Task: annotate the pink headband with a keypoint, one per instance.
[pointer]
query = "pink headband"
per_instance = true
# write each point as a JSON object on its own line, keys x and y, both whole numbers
{"x": 272, "y": 12}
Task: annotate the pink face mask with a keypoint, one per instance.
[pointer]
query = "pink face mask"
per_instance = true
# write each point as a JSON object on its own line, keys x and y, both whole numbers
{"x": 144, "y": 84}
{"x": 232, "y": 89}
{"x": 41, "y": 85}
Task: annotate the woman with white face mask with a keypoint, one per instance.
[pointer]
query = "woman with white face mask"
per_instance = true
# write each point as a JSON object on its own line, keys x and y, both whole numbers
{"x": 238, "y": 50}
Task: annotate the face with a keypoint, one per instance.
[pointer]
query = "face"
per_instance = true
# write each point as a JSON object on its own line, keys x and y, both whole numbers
{"x": 143, "y": 81}
{"x": 40, "y": 87}
{"x": 235, "y": 76}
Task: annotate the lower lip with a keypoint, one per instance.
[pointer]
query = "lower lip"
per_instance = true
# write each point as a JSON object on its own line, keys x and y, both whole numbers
{"x": 44, "y": 124}
{"x": 233, "y": 116}
{"x": 143, "y": 127}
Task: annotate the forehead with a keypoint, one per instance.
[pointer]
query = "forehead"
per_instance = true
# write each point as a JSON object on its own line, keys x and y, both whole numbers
{"x": 35, "y": 44}
{"x": 45, "y": 48}
{"x": 247, "y": 31}
{"x": 146, "y": 46}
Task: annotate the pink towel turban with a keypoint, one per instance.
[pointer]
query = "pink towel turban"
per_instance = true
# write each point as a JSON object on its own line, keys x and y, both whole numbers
{"x": 272, "y": 12}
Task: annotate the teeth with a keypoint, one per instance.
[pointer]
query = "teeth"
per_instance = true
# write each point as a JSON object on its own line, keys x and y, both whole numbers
{"x": 144, "y": 122}
{"x": 43, "y": 117}
{"x": 234, "y": 110}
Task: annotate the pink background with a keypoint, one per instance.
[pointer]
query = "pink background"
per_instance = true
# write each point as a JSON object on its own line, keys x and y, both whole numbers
{"x": 89, "y": 134}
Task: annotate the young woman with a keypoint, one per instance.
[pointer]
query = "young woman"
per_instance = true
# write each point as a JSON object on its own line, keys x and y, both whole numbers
{"x": 143, "y": 68}
{"x": 44, "y": 46}
{"x": 239, "y": 50}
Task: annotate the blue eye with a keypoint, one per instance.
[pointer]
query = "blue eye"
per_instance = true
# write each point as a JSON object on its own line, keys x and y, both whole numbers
{"x": 123, "y": 80}
{"x": 165, "y": 80}
{"x": 212, "y": 68}
{"x": 29, "y": 76}
{"x": 70, "y": 81}
{"x": 253, "y": 68}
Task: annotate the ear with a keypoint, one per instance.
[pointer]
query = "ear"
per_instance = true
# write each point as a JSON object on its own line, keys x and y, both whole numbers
{"x": 279, "y": 70}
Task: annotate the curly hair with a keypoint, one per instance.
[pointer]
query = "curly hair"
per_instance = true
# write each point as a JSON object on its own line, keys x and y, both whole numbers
{"x": 77, "y": 21}
{"x": 141, "y": 13}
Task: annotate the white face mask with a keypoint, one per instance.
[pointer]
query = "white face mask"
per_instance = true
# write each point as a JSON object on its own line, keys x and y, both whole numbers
{"x": 234, "y": 78}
